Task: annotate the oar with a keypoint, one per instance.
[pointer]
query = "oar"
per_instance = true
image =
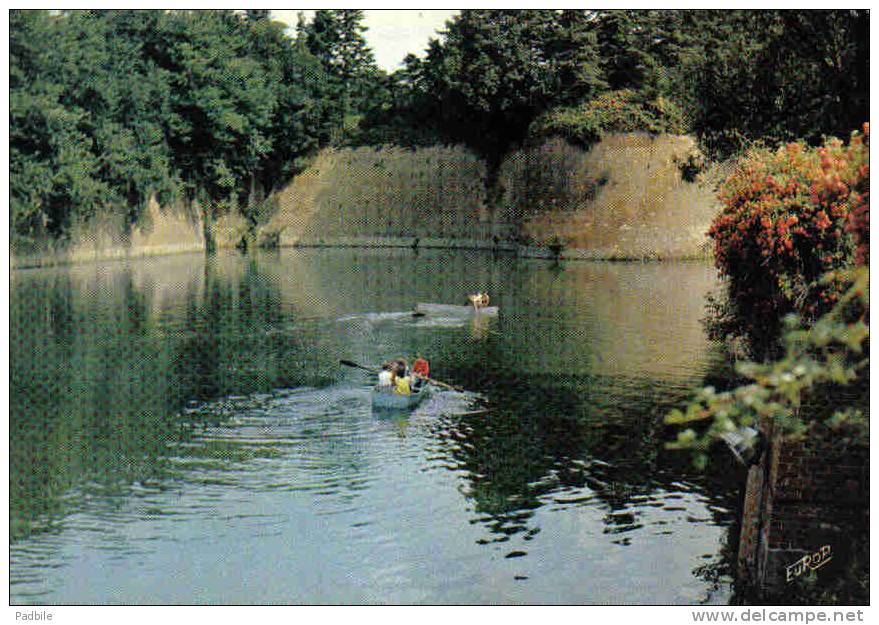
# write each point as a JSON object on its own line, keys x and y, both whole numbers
{"x": 442, "y": 384}
{"x": 350, "y": 363}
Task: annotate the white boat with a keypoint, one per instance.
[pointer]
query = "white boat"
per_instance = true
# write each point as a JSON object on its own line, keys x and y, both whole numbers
{"x": 452, "y": 310}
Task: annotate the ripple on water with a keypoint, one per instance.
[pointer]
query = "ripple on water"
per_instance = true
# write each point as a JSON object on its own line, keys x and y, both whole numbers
{"x": 302, "y": 493}
{"x": 335, "y": 465}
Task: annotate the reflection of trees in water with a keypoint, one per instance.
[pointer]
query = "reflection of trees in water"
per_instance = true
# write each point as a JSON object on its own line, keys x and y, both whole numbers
{"x": 101, "y": 372}
{"x": 318, "y": 438}
{"x": 227, "y": 347}
{"x": 547, "y": 436}
{"x": 88, "y": 392}
{"x": 97, "y": 381}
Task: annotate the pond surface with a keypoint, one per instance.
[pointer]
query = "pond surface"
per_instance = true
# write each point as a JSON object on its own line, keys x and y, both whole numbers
{"x": 182, "y": 433}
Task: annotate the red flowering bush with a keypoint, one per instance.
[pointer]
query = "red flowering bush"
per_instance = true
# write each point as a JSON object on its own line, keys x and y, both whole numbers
{"x": 792, "y": 219}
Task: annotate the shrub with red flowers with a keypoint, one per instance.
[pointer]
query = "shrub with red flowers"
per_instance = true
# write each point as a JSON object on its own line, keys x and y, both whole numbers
{"x": 793, "y": 220}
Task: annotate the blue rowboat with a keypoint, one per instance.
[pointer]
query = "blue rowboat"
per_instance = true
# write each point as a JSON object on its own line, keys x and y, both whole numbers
{"x": 384, "y": 398}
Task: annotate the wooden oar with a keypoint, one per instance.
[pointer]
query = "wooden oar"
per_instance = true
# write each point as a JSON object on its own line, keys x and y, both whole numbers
{"x": 442, "y": 384}
{"x": 350, "y": 363}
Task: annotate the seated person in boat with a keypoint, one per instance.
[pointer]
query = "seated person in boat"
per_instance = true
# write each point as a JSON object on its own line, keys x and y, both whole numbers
{"x": 385, "y": 376}
{"x": 480, "y": 300}
{"x": 401, "y": 380}
{"x": 420, "y": 371}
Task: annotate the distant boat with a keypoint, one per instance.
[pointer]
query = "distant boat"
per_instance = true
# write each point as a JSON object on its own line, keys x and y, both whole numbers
{"x": 451, "y": 309}
{"x": 384, "y": 398}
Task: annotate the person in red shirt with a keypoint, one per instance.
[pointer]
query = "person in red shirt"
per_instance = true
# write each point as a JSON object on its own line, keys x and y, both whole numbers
{"x": 420, "y": 369}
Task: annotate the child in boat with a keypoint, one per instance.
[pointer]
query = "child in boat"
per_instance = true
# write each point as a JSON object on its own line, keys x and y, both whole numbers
{"x": 385, "y": 376}
{"x": 420, "y": 370}
{"x": 398, "y": 363}
{"x": 401, "y": 380}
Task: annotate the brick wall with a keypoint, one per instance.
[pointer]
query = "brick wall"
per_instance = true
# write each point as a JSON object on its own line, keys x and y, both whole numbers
{"x": 802, "y": 496}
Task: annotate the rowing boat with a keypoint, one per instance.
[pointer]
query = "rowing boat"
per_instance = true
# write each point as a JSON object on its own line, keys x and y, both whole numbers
{"x": 386, "y": 399}
{"x": 451, "y": 309}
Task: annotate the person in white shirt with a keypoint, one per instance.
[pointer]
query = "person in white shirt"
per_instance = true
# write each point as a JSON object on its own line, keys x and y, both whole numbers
{"x": 385, "y": 378}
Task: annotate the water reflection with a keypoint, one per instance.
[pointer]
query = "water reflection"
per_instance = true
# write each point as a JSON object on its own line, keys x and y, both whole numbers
{"x": 184, "y": 410}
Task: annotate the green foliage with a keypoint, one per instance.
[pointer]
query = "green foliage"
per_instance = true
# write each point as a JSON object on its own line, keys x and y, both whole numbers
{"x": 732, "y": 77}
{"x": 335, "y": 38}
{"x": 486, "y": 81}
{"x": 792, "y": 238}
{"x": 73, "y": 150}
{"x": 614, "y": 111}
{"x": 108, "y": 108}
{"x": 495, "y": 70}
{"x": 625, "y": 38}
{"x": 500, "y": 71}
{"x": 775, "y": 75}
{"x": 833, "y": 351}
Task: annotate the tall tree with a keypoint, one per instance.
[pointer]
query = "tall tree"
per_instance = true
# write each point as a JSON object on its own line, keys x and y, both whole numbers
{"x": 335, "y": 38}
{"x": 574, "y": 50}
{"x": 640, "y": 50}
{"x": 257, "y": 15}
{"x": 497, "y": 70}
{"x": 50, "y": 161}
{"x": 89, "y": 112}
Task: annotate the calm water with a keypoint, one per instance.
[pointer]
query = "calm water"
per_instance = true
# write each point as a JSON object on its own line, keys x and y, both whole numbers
{"x": 181, "y": 432}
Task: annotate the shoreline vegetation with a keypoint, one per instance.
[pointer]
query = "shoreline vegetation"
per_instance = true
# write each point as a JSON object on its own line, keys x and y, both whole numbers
{"x": 578, "y": 133}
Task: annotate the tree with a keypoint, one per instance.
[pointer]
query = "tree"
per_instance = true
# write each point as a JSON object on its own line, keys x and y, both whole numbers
{"x": 108, "y": 108}
{"x": 307, "y": 111}
{"x": 497, "y": 70}
{"x": 576, "y": 56}
{"x": 783, "y": 242}
{"x": 335, "y": 38}
{"x": 489, "y": 76}
{"x": 83, "y": 125}
{"x": 776, "y": 76}
{"x": 625, "y": 63}
{"x": 831, "y": 353}
{"x": 784, "y": 228}
{"x": 257, "y": 15}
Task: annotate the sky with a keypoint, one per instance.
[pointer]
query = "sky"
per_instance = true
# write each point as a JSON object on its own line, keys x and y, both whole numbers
{"x": 391, "y": 34}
